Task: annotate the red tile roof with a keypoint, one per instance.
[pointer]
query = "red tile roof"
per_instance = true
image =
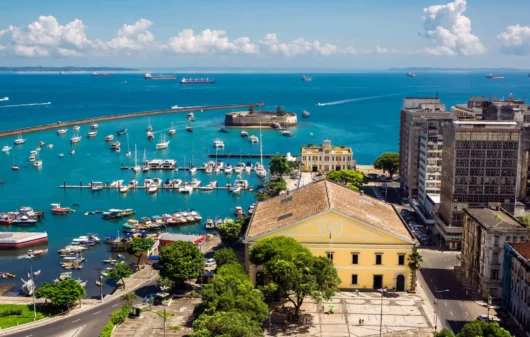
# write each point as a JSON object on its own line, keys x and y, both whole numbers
{"x": 523, "y": 248}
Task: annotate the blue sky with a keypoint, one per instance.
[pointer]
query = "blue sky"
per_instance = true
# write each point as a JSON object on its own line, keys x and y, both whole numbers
{"x": 362, "y": 34}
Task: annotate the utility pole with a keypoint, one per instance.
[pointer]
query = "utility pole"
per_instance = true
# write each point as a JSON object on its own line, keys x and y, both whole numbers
{"x": 382, "y": 290}
{"x": 164, "y": 319}
{"x": 34, "y": 286}
{"x": 435, "y": 315}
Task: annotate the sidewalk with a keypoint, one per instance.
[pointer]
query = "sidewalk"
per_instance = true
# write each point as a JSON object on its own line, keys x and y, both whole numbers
{"x": 132, "y": 283}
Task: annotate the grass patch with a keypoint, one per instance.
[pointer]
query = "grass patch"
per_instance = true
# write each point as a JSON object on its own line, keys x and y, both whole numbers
{"x": 161, "y": 313}
{"x": 175, "y": 327}
{"x": 25, "y": 317}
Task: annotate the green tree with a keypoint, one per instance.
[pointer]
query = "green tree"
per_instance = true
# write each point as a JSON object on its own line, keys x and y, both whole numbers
{"x": 525, "y": 219}
{"x": 229, "y": 231}
{"x": 182, "y": 261}
{"x": 279, "y": 111}
{"x": 251, "y": 110}
{"x": 274, "y": 187}
{"x": 120, "y": 271}
{"x": 142, "y": 244}
{"x": 225, "y": 256}
{"x": 292, "y": 272}
{"x": 128, "y": 298}
{"x": 165, "y": 284}
{"x": 120, "y": 315}
{"x": 388, "y": 162}
{"x": 348, "y": 177}
{"x": 483, "y": 329}
{"x": 444, "y": 333}
{"x": 226, "y": 324}
{"x": 280, "y": 165}
{"x": 414, "y": 264}
{"x": 63, "y": 293}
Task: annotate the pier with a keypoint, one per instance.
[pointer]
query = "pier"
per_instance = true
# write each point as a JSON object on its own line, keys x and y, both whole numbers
{"x": 123, "y": 116}
{"x": 244, "y": 155}
{"x": 142, "y": 187}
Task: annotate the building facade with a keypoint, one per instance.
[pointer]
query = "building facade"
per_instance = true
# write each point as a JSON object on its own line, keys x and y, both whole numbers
{"x": 326, "y": 158}
{"x": 430, "y": 164}
{"x": 417, "y": 115}
{"x": 484, "y": 233}
{"x": 365, "y": 238}
{"x": 516, "y": 283}
{"x": 480, "y": 164}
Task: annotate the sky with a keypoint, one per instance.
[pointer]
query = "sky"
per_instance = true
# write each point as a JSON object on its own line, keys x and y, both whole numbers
{"x": 348, "y": 34}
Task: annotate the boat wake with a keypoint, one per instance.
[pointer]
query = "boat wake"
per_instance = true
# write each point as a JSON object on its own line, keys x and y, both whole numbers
{"x": 28, "y": 104}
{"x": 4, "y": 99}
{"x": 344, "y": 101}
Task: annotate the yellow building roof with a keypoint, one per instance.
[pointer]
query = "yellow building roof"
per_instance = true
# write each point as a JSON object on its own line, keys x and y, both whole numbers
{"x": 321, "y": 196}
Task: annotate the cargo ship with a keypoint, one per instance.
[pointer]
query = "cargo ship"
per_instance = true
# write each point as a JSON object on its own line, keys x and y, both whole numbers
{"x": 197, "y": 81}
{"x": 13, "y": 240}
{"x": 148, "y": 76}
{"x": 95, "y": 73}
{"x": 490, "y": 75}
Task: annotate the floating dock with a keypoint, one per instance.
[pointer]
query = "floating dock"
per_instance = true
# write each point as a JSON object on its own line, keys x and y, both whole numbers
{"x": 59, "y": 125}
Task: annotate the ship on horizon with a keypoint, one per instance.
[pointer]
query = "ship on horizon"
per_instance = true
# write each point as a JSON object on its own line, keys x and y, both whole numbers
{"x": 411, "y": 74}
{"x": 148, "y": 76}
{"x": 307, "y": 79}
{"x": 197, "y": 81}
{"x": 490, "y": 75}
{"x": 95, "y": 73}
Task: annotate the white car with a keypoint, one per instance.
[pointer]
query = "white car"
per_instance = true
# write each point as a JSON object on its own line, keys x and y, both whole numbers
{"x": 209, "y": 262}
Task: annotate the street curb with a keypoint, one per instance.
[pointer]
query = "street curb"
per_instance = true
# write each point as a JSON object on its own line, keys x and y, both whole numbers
{"x": 46, "y": 321}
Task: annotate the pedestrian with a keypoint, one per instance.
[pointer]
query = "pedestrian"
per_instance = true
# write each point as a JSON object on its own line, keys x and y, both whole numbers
{"x": 360, "y": 321}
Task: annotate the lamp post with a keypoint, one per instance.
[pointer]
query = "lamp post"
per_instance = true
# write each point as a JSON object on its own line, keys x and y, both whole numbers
{"x": 32, "y": 285}
{"x": 270, "y": 321}
{"x": 101, "y": 287}
{"x": 383, "y": 291}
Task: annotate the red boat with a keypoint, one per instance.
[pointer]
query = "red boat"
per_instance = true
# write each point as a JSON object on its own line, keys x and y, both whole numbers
{"x": 57, "y": 209}
{"x": 36, "y": 253}
{"x": 6, "y": 219}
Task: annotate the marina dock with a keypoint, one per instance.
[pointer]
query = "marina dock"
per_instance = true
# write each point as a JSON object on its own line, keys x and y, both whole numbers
{"x": 123, "y": 116}
{"x": 142, "y": 187}
{"x": 244, "y": 155}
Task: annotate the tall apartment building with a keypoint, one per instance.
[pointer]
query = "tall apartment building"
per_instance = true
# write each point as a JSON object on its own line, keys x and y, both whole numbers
{"x": 419, "y": 115}
{"x": 484, "y": 233}
{"x": 430, "y": 163}
{"x": 480, "y": 164}
{"x": 516, "y": 283}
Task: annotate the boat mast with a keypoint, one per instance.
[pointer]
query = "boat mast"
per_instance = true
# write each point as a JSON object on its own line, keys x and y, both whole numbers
{"x": 135, "y": 155}
{"x": 128, "y": 146}
{"x": 260, "y": 146}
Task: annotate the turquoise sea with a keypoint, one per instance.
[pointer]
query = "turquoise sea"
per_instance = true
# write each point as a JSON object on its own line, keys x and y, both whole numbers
{"x": 361, "y": 110}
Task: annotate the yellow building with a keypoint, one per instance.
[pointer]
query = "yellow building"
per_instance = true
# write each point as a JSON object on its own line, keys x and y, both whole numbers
{"x": 366, "y": 238}
{"x": 327, "y": 158}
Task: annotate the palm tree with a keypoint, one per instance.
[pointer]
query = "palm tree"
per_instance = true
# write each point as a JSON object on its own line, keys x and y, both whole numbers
{"x": 279, "y": 165}
{"x": 128, "y": 298}
{"x": 414, "y": 264}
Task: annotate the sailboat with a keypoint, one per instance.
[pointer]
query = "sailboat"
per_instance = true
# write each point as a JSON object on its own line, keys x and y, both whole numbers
{"x": 149, "y": 127}
{"x": 128, "y": 153}
{"x": 260, "y": 171}
{"x": 19, "y": 140}
{"x": 72, "y": 151}
{"x": 14, "y": 167}
{"x": 145, "y": 166}
{"x": 136, "y": 167}
{"x": 75, "y": 138}
{"x": 172, "y": 131}
{"x": 189, "y": 128}
{"x": 162, "y": 144}
{"x": 38, "y": 162}
{"x": 193, "y": 168}
{"x": 185, "y": 187}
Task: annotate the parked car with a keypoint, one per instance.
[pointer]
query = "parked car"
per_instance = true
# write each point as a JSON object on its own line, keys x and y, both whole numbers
{"x": 209, "y": 262}
{"x": 371, "y": 176}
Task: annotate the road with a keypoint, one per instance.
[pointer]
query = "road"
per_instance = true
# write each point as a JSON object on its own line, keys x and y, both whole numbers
{"x": 93, "y": 319}
{"x": 454, "y": 307}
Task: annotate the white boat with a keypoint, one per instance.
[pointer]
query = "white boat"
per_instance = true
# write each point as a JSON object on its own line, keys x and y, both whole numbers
{"x": 241, "y": 183}
{"x": 37, "y": 163}
{"x": 19, "y": 140}
{"x": 75, "y": 138}
{"x": 50, "y": 146}
{"x": 287, "y": 133}
{"x": 228, "y": 169}
{"x": 235, "y": 189}
{"x": 208, "y": 170}
{"x": 261, "y": 172}
{"x": 128, "y": 153}
{"x": 116, "y": 184}
{"x": 306, "y": 114}
{"x": 172, "y": 131}
{"x": 72, "y": 151}
{"x": 253, "y": 139}
{"x": 191, "y": 117}
{"x": 218, "y": 143}
{"x": 94, "y": 126}
{"x": 61, "y": 131}
{"x": 32, "y": 157}
{"x": 185, "y": 188}
{"x": 77, "y": 128}
{"x": 195, "y": 183}
{"x": 91, "y": 134}
{"x": 124, "y": 189}
{"x": 61, "y": 155}
{"x": 109, "y": 138}
{"x": 6, "y": 148}
{"x": 210, "y": 224}
{"x": 4, "y": 99}
{"x": 162, "y": 144}
{"x": 244, "y": 134}
{"x": 153, "y": 188}
{"x": 238, "y": 170}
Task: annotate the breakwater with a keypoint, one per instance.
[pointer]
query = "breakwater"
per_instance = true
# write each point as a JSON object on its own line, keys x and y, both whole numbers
{"x": 244, "y": 155}
{"x": 60, "y": 124}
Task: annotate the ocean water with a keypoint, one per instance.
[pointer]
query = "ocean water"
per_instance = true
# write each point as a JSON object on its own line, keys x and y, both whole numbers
{"x": 360, "y": 111}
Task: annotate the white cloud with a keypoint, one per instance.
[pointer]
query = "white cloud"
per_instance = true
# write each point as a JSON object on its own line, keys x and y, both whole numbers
{"x": 450, "y": 30}
{"x": 133, "y": 37}
{"x": 515, "y": 40}
{"x": 381, "y": 50}
{"x": 297, "y": 47}
{"x": 208, "y": 42}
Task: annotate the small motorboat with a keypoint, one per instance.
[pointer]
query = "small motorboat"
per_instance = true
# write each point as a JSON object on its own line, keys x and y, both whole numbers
{"x": 287, "y": 133}
{"x": 189, "y": 128}
{"x": 72, "y": 151}
{"x": 77, "y": 128}
{"x": 61, "y": 155}
{"x": 36, "y": 273}
{"x": 244, "y": 134}
{"x": 50, "y": 146}
{"x": 6, "y": 275}
{"x": 94, "y": 126}
{"x": 306, "y": 114}
{"x": 6, "y": 148}
{"x": 121, "y": 132}
{"x": 171, "y": 132}
{"x": 37, "y": 163}
{"x": 223, "y": 130}
{"x": 41, "y": 144}
{"x": 115, "y": 146}
{"x": 61, "y": 132}
{"x": 91, "y": 134}
{"x": 109, "y": 138}
{"x": 15, "y": 168}
{"x": 57, "y": 209}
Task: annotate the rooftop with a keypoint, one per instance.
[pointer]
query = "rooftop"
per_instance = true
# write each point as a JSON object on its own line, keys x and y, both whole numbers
{"x": 321, "y": 196}
{"x": 523, "y": 248}
{"x": 494, "y": 219}
{"x": 179, "y": 237}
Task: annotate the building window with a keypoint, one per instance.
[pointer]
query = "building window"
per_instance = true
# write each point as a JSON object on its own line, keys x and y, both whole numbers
{"x": 494, "y": 274}
{"x": 401, "y": 259}
{"x": 355, "y": 258}
{"x": 330, "y": 256}
{"x": 354, "y": 279}
{"x": 495, "y": 258}
{"x": 496, "y": 242}
{"x": 378, "y": 258}
{"x": 508, "y": 238}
